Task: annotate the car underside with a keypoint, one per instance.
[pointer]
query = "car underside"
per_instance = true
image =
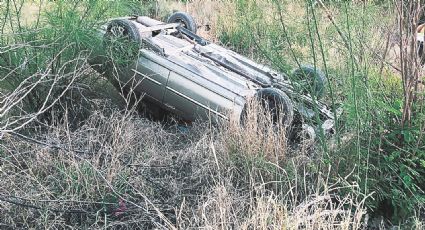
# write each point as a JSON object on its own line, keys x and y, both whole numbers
{"x": 180, "y": 72}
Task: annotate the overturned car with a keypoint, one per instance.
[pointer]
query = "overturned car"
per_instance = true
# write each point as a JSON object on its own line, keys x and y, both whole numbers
{"x": 178, "y": 71}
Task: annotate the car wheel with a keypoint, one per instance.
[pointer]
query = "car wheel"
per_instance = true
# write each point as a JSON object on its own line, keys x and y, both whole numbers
{"x": 310, "y": 80}
{"x": 122, "y": 41}
{"x": 185, "y": 19}
{"x": 278, "y": 104}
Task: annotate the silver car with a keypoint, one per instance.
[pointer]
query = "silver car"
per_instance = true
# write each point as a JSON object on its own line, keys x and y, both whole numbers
{"x": 180, "y": 72}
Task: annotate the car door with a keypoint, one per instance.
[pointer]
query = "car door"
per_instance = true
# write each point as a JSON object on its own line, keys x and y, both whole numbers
{"x": 192, "y": 98}
{"x": 195, "y": 90}
{"x": 151, "y": 77}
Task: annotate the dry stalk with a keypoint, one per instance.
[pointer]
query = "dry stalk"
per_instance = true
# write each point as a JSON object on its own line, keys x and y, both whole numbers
{"x": 408, "y": 14}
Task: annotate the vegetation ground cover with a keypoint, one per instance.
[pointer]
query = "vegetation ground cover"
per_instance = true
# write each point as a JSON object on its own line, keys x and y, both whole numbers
{"x": 73, "y": 155}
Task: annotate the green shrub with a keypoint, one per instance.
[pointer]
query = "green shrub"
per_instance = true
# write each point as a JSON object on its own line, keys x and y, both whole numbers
{"x": 49, "y": 55}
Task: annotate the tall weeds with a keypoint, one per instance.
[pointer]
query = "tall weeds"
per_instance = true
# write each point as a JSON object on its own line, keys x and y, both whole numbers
{"x": 377, "y": 133}
{"x": 118, "y": 170}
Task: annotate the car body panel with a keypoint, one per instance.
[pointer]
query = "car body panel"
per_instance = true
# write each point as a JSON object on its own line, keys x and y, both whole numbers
{"x": 153, "y": 78}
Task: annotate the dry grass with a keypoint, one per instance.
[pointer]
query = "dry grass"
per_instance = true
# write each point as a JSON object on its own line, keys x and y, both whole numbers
{"x": 32, "y": 10}
{"x": 119, "y": 170}
{"x": 257, "y": 135}
{"x": 223, "y": 209}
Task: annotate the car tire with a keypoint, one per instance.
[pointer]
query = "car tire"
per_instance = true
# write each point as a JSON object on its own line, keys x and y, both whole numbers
{"x": 123, "y": 39}
{"x": 184, "y": 18}
{"x": 278, "y": 103}
{"x": 128, "y": 28}
{"x": 310, "y": 80}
